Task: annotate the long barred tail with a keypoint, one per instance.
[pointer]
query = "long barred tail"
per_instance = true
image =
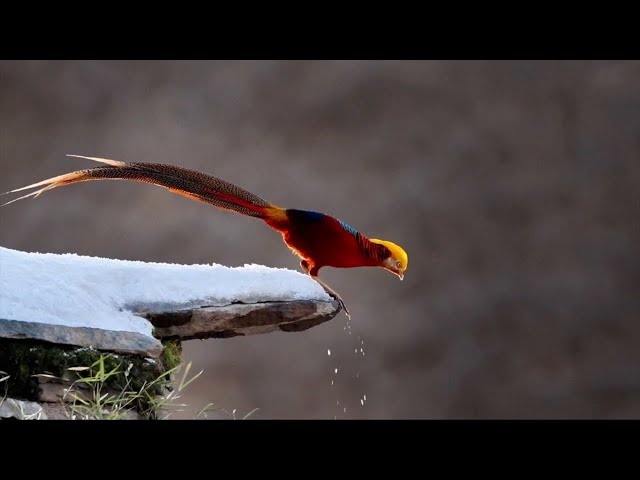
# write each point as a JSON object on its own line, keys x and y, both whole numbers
{"x": 189, "y": 183}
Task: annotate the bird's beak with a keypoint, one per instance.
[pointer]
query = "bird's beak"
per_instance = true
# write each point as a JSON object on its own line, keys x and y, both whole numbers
{"x": 398, "y": 274}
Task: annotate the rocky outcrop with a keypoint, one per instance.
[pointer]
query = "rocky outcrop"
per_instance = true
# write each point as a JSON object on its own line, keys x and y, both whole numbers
{"x": 29, "y": 349}
{"x": 203, "y": 322}
{"x": 21, "y": 410}
{"x": 242, "y": 319}
{"x": 131, "y": 343}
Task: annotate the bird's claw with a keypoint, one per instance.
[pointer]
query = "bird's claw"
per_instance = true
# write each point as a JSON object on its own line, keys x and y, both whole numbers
{"x": 344, "y": 307}
{"x": 331, "y": 292}
{"x": 337, "y": 297}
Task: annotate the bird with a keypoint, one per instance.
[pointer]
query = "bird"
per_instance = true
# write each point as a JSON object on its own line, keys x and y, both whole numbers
{"x": 318, "y": 239}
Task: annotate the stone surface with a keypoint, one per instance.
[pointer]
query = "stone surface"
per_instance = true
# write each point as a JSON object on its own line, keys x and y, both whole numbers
{"x": 51, "y": 392}
{"x": 242, "y": 319}
{"x": 11, "y": 408}
{"x": 55, "y": 411}
{"x": 55, "y": 391}
{"x": 21, "y": 410}
{"x": 107, "y": 340}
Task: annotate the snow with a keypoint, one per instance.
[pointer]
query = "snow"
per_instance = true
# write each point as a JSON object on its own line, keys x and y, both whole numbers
{"x": 82, "y": 291}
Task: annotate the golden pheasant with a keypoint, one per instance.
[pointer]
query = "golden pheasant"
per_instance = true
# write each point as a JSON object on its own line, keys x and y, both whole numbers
{"x": 318, "y": 239}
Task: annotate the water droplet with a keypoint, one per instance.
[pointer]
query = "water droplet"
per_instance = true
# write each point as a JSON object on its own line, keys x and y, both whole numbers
{"x": 328, "y": 351}
{"x": 345, "y": 409}
{"x": 356, "y": 350}
{"x": 365, "y": 398}
{"x": 362, "y": 402}
{"x": 331, "y": 382}
{"x": 336, "y": 371}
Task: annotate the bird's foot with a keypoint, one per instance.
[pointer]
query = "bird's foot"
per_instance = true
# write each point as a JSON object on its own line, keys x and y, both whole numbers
{"x": 341, "y": 302}
{"x": 332, "y": 293}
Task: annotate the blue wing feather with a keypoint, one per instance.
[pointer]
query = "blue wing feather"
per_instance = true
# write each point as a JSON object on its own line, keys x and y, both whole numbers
{"x": 349, "y": 228}
{"x": 316, "y": 216}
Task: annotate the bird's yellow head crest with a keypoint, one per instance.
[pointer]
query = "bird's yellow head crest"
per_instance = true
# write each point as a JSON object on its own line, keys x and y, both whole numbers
{"x": 398, "y": 261}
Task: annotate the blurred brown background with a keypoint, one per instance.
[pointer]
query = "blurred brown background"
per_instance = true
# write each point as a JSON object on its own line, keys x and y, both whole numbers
{"x": 513, "y": 185}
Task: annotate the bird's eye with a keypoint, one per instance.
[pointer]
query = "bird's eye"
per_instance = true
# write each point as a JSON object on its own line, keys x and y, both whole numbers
{"x": 398, "y": 264}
